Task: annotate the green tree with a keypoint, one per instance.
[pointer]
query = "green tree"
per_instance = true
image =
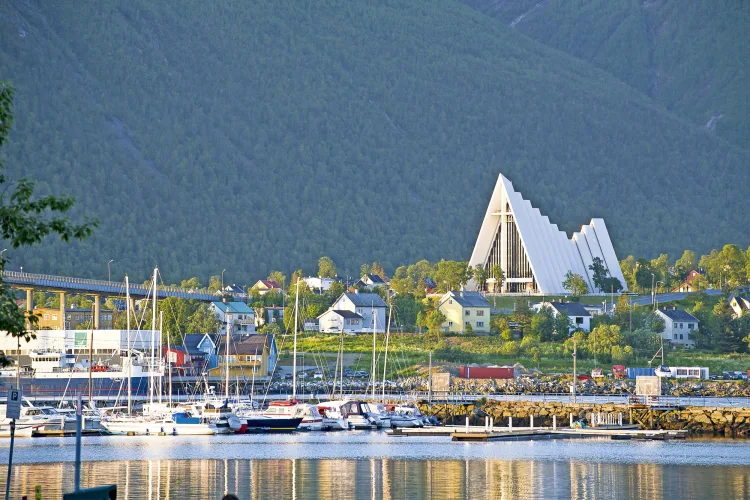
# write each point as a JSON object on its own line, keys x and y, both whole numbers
{"x": 499, "y": 325}
{"x": 575, "y": 284}
{"x": 364, "y": 269}
{"x": 602, "y": 339}
{"x": 452, "y": 275}
{"x": 660, "y": 267}
{"x": 682, "y": 266}
{"x": 279, "y": 278}
{"x": 480, "y": 276}
{"x": 643, "y": 277}
{"x": 192, "y": 284}
{"x": 542, "y": 325}
{"x": 499, "y": 276}
{"x": 562, "y": 326}
{"x": 26, "y": 220}
{"x": 600, "y": 273}
{"x": 202, "y": 320}
{"x": 214, "y": 283}
{"x": 326, "y": 267}
{"x": 628, "y": 268}
{"x": 726, "y": 333}
{"x": 433, "y": 320}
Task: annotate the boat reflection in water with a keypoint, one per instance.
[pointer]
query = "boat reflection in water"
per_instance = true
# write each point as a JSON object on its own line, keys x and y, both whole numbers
{"x": 338, "y": 479}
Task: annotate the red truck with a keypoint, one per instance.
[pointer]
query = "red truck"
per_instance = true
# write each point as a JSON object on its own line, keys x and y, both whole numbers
{"x": 619, "y": 371}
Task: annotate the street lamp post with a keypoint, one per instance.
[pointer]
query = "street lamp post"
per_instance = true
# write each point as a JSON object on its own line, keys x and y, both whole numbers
{"x": 653, "y": 295}
{"x": 222, "y": 280}
{"x": 109, "y": 274}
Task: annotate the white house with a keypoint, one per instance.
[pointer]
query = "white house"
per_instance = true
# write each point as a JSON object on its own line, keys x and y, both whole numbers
{"x": 333, "y": 321}
{"x": 678, "y": 325}
{"x": 368, "y": 306}
{"x": 239, "y": 316}
{"x": 371, "y": 281}
{"x": 579, "y": 317}
{"x": 318, "y": 284}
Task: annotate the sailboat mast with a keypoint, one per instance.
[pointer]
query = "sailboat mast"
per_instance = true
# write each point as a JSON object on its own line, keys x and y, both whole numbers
{"x": 387, "y": 337}
{"x": 91, "y": 355}
{"x": 153, "y": 343}
{"x": 374, "y": 341}
{"x": 226, "y": 353}
{"x": 129, "y": 358}
{"x": 161, "y": 329}
{"x": 294, "y": 365}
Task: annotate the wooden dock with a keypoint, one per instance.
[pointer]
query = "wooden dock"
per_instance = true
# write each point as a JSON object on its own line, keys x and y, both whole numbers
{"x": 483, "y": 434}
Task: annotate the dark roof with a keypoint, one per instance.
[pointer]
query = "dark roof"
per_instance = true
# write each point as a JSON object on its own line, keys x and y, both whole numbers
{"x": 741, "y": 301}
{"x": 570, "y": 308}
{"x": 235, "y": 288}
{"x": 678, "y": 315}
{"x": 374, "y": 278}
{"x": 429, "y": 282}
{"x": 245, "y": 344}
{"x": 269, "y": 284}
{"x": 467, "y": 299}
{"x": 365, "y": 299}
{"x": 347, "y": 314}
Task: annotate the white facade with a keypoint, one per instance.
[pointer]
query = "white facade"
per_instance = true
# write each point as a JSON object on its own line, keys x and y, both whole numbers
{"x": 77, "y": 341}
{"x": 533, "y": 253}
{"x": 678, "y": 325}
{"x": 317, "y": 284}
{"x": 333, "y": 321}
{"x": 367, "y": 305}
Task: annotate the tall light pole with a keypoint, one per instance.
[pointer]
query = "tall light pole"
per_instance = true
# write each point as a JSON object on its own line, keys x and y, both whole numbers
{"x": 653, "y": 294}
{"x": 2, "y": 252}
{"x": 109, "y": 274}
{"x": 222, "y": 280}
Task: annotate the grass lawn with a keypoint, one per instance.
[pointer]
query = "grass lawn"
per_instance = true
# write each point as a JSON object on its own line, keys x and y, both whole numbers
{"x": 407, "y": 351}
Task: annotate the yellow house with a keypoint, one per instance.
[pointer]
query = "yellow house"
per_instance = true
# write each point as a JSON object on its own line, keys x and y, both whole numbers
{"x": 463, "y": 309}
{"x": 249, "y": 355}
{"x": 51, "y": 319}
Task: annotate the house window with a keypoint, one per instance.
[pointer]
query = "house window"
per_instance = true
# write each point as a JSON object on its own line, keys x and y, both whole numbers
{"x": 468, "y": 312}
{"x": 675, "y": 336}
{"x": 480, "y": 323}
{"x": 674, "y": 325}
{"x": 579, "y": 320}
{"x": 54, "y": 317}
{"x": 46, "y": 316}
{"x": 468, "y": 323}
{"x": 681, "y": 337}
{"x": 450, "y": 301}
{"x": 682, "y": 325}
{"x": 480, "y": 312}
{"x": 355, "y": 322}
{"x": 691, "y": 326}
{"x": 450, "y": 323}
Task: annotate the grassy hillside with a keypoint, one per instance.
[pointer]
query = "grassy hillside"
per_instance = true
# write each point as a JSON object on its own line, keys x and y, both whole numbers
{"x": 211, "y": 135}
{"x": 691, "y": 56}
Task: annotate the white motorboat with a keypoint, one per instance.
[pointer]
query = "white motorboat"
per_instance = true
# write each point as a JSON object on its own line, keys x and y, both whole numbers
{"x": 333, "y": 420}
{"x": 179, "y": 423}
{"x": 355, "y": 413}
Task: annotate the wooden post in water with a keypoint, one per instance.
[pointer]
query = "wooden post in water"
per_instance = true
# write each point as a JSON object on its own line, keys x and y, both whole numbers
{"x": 531, "y": 421}
{"x": 554, "y": 422}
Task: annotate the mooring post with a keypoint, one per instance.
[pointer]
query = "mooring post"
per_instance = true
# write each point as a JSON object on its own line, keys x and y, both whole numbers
{"x": 510, "y": 423}
{"x": 492, "y": 423}
{"x": 619, "y": 419}
{"x": 531, "y": 421}
{"x": 571, "y": 419}
{"x": 554, "y": 422}
{"x": 467, "y": 424}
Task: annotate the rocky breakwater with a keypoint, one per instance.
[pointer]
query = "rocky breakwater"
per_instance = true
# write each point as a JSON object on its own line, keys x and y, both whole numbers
{"x": 733, "y": 422}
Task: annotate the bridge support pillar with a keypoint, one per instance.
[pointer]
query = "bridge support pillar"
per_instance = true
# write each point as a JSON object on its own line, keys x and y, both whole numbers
{"x": 96, "y": 311}
{"x": 29, "y": 304}
{"x": 62, "y": 310}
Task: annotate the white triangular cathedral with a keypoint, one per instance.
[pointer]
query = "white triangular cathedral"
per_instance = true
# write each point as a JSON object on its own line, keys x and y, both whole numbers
{"x": 533, "y": 253}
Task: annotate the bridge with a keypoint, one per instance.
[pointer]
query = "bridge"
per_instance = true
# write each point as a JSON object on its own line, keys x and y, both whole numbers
{"x": 95, "y": 288}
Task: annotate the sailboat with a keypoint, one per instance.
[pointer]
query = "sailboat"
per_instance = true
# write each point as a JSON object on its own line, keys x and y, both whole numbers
{"x": 158, "y": 418}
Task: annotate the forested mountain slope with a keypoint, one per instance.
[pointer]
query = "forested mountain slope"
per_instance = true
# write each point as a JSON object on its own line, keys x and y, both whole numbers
{"x": 259, "y": 136}
{"x": 691, "y": 56}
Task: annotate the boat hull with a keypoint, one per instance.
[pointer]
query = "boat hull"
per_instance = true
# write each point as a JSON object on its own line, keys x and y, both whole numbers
{"x": 265, "y": 424}
{"x": 158, "y": 428}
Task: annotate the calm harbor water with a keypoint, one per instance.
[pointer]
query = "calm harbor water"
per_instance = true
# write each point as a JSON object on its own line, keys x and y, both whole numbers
{"x": 374, "y": 465}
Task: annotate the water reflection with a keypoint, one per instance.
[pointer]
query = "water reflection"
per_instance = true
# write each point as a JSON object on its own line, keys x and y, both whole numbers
{"x": 382, "y": 478}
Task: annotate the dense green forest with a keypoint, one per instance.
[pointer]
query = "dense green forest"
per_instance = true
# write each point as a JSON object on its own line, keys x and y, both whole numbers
{"x": 252, "y": 137}
{"x": 690, "y": 56}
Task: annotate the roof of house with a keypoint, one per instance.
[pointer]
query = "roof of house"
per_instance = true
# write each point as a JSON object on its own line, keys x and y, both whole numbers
{"x": 234, "y": 307}
{"x": 192, "y": 340}
{"x": 466, "y": 299}
{"x": 268, "y": 284}
{"x": 245, "y": 344}
{"x": 365, "y": 299}
{"x": 741, "y": 301}
{"x": 234, "y": 288}
{"x": 570, "y": 308}
{"x": 678, "y": 315}
{"x": 429, "y": 282}
{"x": 346, "y": 314}
{"x": 374, "y": 278}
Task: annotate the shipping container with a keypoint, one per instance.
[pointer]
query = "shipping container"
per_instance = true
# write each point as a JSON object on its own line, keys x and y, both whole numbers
{"x": 502, "y": 372}
{"x": 640, "y": 372}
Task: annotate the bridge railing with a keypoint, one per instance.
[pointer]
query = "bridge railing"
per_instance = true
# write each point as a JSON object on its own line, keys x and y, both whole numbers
{"x": 15, "y": 277}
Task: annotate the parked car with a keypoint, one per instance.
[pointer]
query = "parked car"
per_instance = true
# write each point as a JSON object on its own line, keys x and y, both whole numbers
{"x": 361, "y": 373}
{"x": 318, "y": 374}
{"x": 348, "y": 372}
{"x": 303, "y": 375}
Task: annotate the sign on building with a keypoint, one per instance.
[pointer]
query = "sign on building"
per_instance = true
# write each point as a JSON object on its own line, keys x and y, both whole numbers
{"x": 81, "y": 339}
{"x": 648, "y": 386}
{"x": 13, "y": 409}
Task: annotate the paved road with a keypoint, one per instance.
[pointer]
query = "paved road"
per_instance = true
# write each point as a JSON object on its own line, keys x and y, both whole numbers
{"x": 669, "y": 297}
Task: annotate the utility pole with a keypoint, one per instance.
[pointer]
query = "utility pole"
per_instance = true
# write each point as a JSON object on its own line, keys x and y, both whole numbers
{"x": 109, "y": 274}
